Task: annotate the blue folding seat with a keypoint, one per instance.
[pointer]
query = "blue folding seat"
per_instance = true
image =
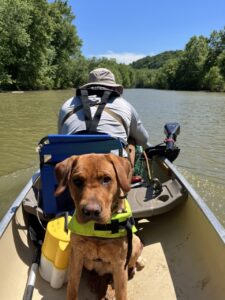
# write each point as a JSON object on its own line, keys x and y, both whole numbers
{"x": 55, "y": 148}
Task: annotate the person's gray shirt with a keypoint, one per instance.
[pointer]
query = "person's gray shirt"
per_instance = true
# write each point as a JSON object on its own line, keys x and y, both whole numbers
{"x": 107, "y": 124}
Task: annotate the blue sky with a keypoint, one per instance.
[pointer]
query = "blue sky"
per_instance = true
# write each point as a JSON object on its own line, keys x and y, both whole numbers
{"x": 128, "y": 30}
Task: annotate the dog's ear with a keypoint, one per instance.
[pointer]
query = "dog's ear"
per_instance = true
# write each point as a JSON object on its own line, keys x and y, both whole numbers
{"x": 123, "y": 170}
{"x": 62, "y": 172}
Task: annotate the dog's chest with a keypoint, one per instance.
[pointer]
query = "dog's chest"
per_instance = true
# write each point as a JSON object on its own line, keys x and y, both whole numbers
{"x": 98, "y": 258}
{"x": 101, "y": 254}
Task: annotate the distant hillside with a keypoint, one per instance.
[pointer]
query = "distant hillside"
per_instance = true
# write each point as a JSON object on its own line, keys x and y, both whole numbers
{"x": 156, "y": 61}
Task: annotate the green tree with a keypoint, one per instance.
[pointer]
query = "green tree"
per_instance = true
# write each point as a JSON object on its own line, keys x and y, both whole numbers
{"x": 145, "y": 78}
{"x": 15, "y": 20}
{"x": 166, "y": 75}
{"x": 125, "y": 75}
{"x": 79, "y": 71}
{"x": 216, "y": 46}
{"x": 36, "y": 71}
{"x": 214, "y": 80}
{"x": 156, "y": 61}
{"x": 191, "y": 67}
{"x": 221, "y": 63}
{"x": 65, "y": 42}
{"x": 39, "y": 44}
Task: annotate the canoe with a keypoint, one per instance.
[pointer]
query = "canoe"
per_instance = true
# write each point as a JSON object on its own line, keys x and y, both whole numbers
{"x": 184, "y": 244}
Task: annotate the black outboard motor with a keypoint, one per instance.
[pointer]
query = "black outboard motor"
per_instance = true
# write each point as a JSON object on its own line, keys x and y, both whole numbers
{"x": 168, "y": 149}
{"x": 171, "y": 131}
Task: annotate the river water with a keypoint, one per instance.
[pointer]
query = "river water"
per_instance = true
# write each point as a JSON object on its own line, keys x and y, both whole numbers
{"x": 25, "y": 118}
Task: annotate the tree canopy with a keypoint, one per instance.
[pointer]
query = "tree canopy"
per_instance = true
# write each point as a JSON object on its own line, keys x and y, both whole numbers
{"x": 39, "y": 44}
{"x": 156, "y": 61}
{"x": 40, "y": 49}
{"x": 200, "y": 66}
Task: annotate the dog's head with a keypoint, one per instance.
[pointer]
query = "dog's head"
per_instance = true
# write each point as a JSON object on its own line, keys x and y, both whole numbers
{"x": 95, "y": 182}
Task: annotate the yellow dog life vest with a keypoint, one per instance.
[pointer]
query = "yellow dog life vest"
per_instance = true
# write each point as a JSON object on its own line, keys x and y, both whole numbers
{"x": 113, "y": 229}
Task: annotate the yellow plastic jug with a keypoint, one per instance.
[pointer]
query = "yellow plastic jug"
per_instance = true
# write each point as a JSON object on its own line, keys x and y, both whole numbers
{"x": 55, "y": 253}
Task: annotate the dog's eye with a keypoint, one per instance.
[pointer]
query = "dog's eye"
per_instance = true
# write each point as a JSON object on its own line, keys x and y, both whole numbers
{"x": 79, "y": 182}
{"x": 106, "y": 180}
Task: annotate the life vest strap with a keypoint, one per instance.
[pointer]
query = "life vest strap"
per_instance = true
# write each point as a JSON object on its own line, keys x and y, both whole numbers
{"x": 114, "y": 226}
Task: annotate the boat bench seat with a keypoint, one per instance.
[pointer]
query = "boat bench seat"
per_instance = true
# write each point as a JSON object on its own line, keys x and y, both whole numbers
{"x": 56, "y": 148}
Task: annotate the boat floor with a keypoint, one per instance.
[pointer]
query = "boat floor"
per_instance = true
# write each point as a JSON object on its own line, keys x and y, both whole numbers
{"x": 145, "y": 203}
{"x": 180, "y": 261}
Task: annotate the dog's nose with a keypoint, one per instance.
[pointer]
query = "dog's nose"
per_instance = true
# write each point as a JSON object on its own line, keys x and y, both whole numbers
{"x": 91, "y": 211}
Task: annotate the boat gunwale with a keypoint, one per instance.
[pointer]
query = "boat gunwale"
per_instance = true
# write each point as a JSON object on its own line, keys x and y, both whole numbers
{"x": 16, "y": 203}
{"x": 218, "y": 227}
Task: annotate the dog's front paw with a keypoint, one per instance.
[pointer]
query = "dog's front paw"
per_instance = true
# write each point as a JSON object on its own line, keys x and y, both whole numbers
{"x": 140, "y": 264}
{"x": 110, "y": 293}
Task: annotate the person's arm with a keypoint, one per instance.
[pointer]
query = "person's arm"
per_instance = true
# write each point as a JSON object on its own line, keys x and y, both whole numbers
{"x": 64, "y": 110}
{"x": 60, "y": 121}
{"x": 138, "y": 131}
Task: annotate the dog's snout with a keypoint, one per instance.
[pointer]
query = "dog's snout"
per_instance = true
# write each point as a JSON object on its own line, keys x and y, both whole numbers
{"x": 91, "y": 211}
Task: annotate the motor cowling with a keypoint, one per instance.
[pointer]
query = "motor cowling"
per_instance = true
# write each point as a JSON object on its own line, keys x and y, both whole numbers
{"x": 171, "y": 131}
{"x": 168, "y": 149}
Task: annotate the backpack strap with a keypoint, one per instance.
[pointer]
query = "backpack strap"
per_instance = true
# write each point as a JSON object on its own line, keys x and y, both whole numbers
{"x": 118, "y": 118}
{"x": 86, "y": 108}
{"x": 91, "y": 124}
{"x": 101, "y": 106}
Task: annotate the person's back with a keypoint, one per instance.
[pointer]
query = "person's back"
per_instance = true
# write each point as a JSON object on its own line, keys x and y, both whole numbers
{"x": 99, "y": 107}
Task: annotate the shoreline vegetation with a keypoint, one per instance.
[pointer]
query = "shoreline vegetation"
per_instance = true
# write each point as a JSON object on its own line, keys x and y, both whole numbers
{"x": 40, "y": 50}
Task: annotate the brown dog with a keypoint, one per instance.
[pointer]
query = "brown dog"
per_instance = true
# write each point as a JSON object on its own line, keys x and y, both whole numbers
{"x": 96, "y": 183}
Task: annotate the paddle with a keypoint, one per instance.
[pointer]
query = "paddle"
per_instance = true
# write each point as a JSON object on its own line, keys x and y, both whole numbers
{"x": 28, "y": 293}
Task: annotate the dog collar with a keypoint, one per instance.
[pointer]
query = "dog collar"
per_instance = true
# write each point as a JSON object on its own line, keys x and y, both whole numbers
{"x": 117, "y": 227}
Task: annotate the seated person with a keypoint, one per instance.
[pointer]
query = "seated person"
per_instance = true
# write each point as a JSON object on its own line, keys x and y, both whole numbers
{"x": 99, "y": 107}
